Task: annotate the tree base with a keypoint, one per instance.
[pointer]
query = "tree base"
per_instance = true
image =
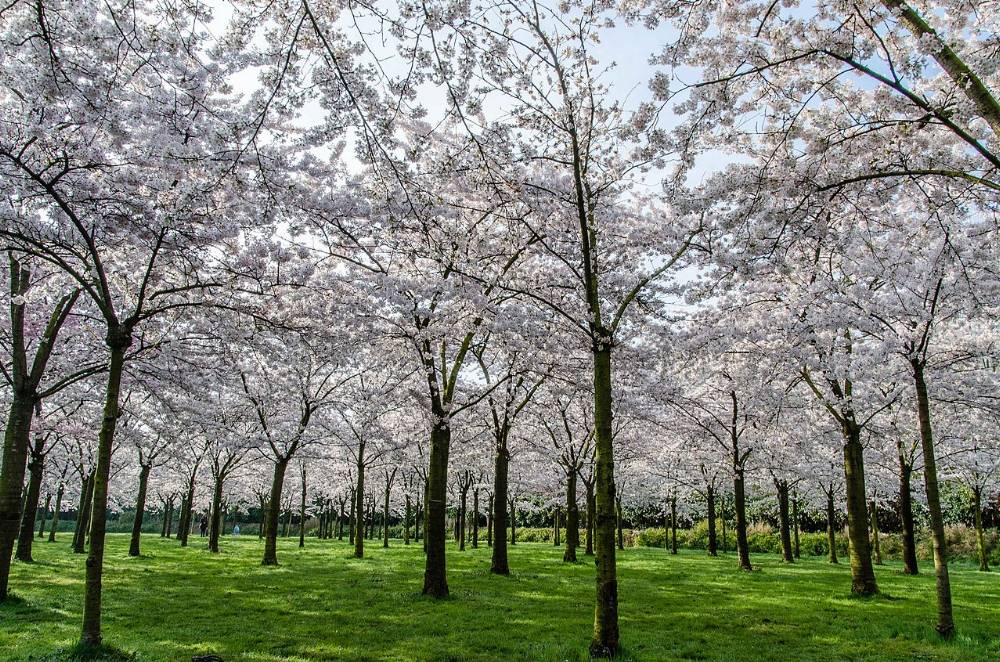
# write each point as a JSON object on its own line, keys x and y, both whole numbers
{"x": 82, "y": 652}
{"x": 602, "y": 650}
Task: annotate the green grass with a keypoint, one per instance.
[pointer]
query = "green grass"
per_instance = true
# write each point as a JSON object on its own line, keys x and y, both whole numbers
{"x": 319, "y": 604}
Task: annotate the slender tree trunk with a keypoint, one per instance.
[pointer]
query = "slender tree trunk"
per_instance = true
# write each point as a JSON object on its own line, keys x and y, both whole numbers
{"x": 359, "y": 491}
{"x": 287, "y": 521}
{"x": 460, "y": 519}
{"x": 795, "y": 526}
{"x": 475, "y": 519}
{"x": 340, "y": 523}
{"x": 873, "y": 512}
{"x": 56, "y": 512}
{"x": 26, "y": 535}
{"x": 673, "y": 524}
{"x": 385, "y": 519}
{"x": 302, "y": 510}
{"x": 353, "y": 523}
{"x": 606, "y": 635}
{"x": 722, "y": 504}
{"x": 140, "y": 508}
{"x": 15, "y": 452}
{"x": 977, "y": 496}
{"x": 513, "y": 522}
{"x": 118, "y": 341}
{"x": 406, "y": 521}
{"x": 713, "y": 547}
{"x": 740, "y": 504}
{"x": 498, "y": 562}
{"x": 906, "y": 517}
{"x": 184, "y": 530}
{"x": 170, "y": 515}
{"x": 435, "y": 568}
{"x": 425, "y": 516}
{"x": 556, "y": 514}
{"x": 215, "y": 524}
{"x": 45, "y": 514}
{"x": 831, "y": 527}
{"x": 591, "y": 510}
{"x": 862, "y": 573}
{"x": 84, "y": 514}
{"x": 273, "y": 513}
{"x": 572, "y": 518}
{"x": 489, "y": 522}
{"x": 786, "y": 538}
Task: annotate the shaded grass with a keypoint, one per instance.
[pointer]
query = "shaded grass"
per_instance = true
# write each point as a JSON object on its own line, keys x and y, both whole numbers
{"x": 319, "y": 604}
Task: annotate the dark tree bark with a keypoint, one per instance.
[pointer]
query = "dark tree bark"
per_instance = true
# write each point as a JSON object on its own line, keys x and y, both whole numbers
{"x": 795, "y": 525}
{"x": 713, "y": 545}
{"x": 606, "y": 633}
{"x": 406, "y": 521}
{"x": 274, "y": 513}
{"x": 977, "y": 504}
{"x": 906, "y": 515}
{"x": 359, "y": 492}
{"x": 831, "y": 526}
{"x": 475, "y": 518}
{"x": 302, "y": 510}
{"x": 435, "y": 566}
{"x": 862, "y": 573}
{"x": 498, "y": 562}
{"x": 45, "y": 514}
{"x": 673, "y": 524}
{"x": 83, "y": 514}
{"x": 26, "y": 534}
{"x": 56, "y": 511}
{"x": 873, "y": 512}
{"x": 572, "y": 517}
{"x": 118, "y": 340}
{"x": 215, "y": 524}
{"x": 556, "y": 514}
{"x": 140, "y": 508}
{"x": 591, "y": 511}
{"x": 783, "y": 520}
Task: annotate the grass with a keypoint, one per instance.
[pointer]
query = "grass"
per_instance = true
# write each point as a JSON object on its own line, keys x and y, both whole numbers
{"x": 319, "y": 604}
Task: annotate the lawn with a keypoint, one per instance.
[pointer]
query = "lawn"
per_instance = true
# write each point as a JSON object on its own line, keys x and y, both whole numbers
{"x": 319, "y": 604}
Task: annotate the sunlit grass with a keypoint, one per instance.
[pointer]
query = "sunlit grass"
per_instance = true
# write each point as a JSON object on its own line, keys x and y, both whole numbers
{"x": 320, "y": 604}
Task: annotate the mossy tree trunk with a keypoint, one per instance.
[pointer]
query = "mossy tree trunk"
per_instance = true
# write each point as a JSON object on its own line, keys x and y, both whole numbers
{"x": 83, "y": 514}
{"x": 475, "y": 518}
{"x": 273, "y": 513}
{"x": 783, "y": 520}
{"x": 498, "y": 562}
{"x": 862, "y": 572}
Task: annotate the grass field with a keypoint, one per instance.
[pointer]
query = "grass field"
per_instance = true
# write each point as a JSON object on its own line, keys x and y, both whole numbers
{"x": 319, "y": 604}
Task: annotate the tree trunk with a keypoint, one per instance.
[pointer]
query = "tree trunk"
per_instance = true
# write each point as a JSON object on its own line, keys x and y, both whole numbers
{"x": 273, "y": 514}
{"x": 406, "y": 521}
{"x": 45, "y": 514}
{"x": 572, "y": 518}
{"x": 359, "y": 494}
{"x": 606, "y": 635}
{"x": 977, "y": 495}
{"x": 831, "y": 527}
{"x": 673, "y": 524}
{"x": 862, "y": 573}
{"x": 795, "y": 526}
{"x": 873, "y": 512}
{"x": 513, "y": 522}
{"x": 906, "y": 517}
{"x": 118, "y": 341}
{"x": 83, "y": 515}
{"x": 26, "y": 535}
{"x": 783, "y": 524}
{"x": 460, "y": 520}
{"x": 184, "y": 530}
{"x": 302, "y": 510}
{"x": 170, "y": 515}
{"x": 385, "y": 518}
{"x": 475, "y": 519}
{"x": 722, "y": 517}
{"x": 15, "y": 453}
{"x": 489, "y": 522}
{"x": 55, "y": 513}
{"x": 352, "y": 529}
{"x": 215, "y": 524}
{"x": 713, "y": 547}
{"x": 435, "y": 567}
{"x": 556, "y": 514}
{"x": 740, "y": 504}
{"x": 498, "y": 562}
{"x": 140, "y": 508}
{"x": 591, "y": 509}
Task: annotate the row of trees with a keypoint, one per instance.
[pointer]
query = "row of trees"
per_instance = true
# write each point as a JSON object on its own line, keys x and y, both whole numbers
{"x": 312, "y": 272}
